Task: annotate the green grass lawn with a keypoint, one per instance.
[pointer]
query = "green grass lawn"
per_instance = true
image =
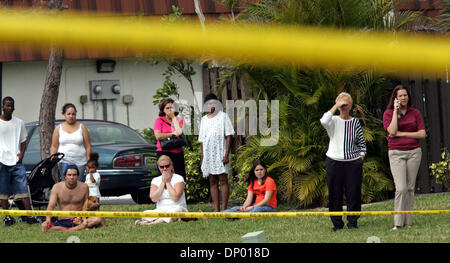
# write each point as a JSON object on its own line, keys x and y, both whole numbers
{"x": 425, "y": 229}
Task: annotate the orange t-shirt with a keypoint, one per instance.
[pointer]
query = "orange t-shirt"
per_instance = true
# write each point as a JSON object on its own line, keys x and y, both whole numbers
{"x": 260, "y": 191}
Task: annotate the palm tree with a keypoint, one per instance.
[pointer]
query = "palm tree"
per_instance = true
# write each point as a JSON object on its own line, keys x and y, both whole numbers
{"x": 297, "y": 161}
{"x": 345, "y": 14}
{"x": 444, "y": 17}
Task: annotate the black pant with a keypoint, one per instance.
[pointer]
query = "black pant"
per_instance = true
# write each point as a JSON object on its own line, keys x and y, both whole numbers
{"x": 344, "y": 177}
{"x": 178, "y": 162}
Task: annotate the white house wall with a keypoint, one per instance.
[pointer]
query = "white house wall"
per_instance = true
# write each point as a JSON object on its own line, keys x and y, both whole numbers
{"x": 24, "y": 82}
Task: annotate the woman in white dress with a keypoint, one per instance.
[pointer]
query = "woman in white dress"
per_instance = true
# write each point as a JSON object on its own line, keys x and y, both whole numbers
{"x": 72, "y": 139}
{"x": 167, "y": 191}
{"x": 215, "y": 134}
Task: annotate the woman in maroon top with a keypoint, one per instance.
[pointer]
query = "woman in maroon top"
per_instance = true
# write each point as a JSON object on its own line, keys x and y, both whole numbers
{"x": 405, "y": 127}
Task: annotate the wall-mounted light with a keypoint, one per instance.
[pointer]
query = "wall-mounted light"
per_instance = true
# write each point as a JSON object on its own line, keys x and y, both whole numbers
{"x": 105, "y": 65}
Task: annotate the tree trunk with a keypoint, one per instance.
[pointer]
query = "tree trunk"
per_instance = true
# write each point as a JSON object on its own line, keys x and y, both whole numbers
{"x": 49, "y": 99}
{"x": 50, "y": 93}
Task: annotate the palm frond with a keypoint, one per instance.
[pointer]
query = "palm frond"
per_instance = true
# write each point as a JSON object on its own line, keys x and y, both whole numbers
{"x": 444, "y": 17}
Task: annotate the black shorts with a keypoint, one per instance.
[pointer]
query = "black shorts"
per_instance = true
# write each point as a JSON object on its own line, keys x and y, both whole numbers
{"x": 67, "y": 223}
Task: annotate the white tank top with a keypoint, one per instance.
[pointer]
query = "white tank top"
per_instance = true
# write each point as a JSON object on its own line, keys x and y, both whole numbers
{"x": 72, "y": 145}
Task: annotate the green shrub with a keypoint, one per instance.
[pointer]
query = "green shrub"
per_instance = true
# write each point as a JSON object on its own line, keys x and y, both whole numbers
{"x": 239, "y": 187}
{"x": 440, "y": 169}
{"x": 197, "y": 187}
{"x": 149, "y": 135}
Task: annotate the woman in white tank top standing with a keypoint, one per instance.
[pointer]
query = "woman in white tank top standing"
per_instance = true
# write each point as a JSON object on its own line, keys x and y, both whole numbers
{"x": 72, "y": 139}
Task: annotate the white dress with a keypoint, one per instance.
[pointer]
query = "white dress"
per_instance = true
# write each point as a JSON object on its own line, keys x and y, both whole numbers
{"x": 212, "y": 136}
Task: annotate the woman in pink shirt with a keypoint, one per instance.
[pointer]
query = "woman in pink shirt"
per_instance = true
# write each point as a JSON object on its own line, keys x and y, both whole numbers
{"x": 165, "y": 126}
{"x": 405, "y": 127}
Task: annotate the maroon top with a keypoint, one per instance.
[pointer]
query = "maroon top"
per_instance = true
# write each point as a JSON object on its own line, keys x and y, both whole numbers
{"x": 412, "y": 121}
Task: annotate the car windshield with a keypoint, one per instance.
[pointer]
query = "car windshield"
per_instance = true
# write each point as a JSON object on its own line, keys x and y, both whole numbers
{"x": 103, "y": 134}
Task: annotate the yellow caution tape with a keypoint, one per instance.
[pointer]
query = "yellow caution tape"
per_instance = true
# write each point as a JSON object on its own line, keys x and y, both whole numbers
{"x": 259, "y": 44}
{"x": 207, "y": 214}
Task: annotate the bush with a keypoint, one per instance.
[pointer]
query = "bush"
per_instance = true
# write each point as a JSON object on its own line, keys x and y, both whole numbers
{"x": 149, "y": 135}
{"x": 197, "y": 187}
{"x": 440, "y": 169}
{"x": 239, "y": 187}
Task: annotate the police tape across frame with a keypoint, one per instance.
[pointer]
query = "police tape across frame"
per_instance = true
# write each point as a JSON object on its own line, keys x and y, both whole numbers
{"x": 119, "y": 214}
{"x": 271, "y": 45}
{"x": 259, "y": 44}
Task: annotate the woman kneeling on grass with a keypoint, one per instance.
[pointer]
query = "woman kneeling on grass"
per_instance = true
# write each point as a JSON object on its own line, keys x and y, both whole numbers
{"x": 167, "y": 191}
{"x": 260, "y": 186}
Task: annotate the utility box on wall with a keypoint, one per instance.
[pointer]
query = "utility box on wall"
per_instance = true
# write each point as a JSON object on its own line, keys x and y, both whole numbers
{"x": 104, "y": 89}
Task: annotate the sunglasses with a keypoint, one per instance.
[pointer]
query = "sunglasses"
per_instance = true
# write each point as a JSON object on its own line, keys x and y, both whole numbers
{"x": 164, "y": 166}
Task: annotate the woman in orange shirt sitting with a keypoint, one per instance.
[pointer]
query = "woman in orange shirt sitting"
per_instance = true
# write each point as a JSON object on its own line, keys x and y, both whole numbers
{"x": 260, "y": 186}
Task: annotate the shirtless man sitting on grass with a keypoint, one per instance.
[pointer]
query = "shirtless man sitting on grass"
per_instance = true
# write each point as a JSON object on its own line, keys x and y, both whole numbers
{"x": 69, "y": 195}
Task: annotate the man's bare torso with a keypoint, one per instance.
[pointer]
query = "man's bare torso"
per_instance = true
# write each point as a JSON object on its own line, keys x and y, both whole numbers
{"x": 71, "y": 199}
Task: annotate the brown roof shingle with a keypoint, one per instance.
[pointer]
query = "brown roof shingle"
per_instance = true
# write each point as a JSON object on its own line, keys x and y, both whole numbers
{"x": 212, "y": 9}
{"x": 10, "y": 52}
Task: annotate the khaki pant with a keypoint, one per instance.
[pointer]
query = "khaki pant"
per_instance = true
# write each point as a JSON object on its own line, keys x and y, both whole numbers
{"x": 404, "y": 168}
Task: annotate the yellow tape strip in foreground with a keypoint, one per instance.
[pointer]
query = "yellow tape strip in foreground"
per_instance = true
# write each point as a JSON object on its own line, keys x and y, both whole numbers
{"x": 242, "y": 43}
{"x": 206, "y": 214}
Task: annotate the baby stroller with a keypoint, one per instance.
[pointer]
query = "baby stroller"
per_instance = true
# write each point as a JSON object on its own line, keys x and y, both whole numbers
{"x": 40, "y": 181}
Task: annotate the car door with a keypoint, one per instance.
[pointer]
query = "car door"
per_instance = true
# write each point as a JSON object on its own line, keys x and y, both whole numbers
{"x": 33, "y": 153}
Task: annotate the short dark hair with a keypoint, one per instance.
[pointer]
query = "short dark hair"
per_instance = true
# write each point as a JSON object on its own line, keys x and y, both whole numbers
{"x": 93, "y": 158}
{"x": 68, "y": 106}
{"x": 210, "y": 96}
{"x": 7, "y": 98}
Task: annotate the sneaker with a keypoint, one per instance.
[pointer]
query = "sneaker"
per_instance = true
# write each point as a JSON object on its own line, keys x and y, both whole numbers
{"x": 395, "y": 228}
{"x": 33, "y": 220}
{"x": 9, "y": 221}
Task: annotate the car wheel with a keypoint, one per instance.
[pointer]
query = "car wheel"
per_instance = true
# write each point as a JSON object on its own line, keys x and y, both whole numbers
{"x": 141, "y": 197}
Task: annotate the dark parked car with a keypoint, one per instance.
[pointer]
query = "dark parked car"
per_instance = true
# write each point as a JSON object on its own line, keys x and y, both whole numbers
{"x": 127, "y": 161}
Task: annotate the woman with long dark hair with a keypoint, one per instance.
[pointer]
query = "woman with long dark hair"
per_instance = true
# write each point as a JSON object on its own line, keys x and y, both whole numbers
{"x": 405, "y": 127}
{"x": 262, "y": 191}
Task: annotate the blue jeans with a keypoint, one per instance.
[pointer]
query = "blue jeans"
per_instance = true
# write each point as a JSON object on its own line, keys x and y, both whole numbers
{"x": 264, "y": 208}
{"x": 13, "y": 180}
